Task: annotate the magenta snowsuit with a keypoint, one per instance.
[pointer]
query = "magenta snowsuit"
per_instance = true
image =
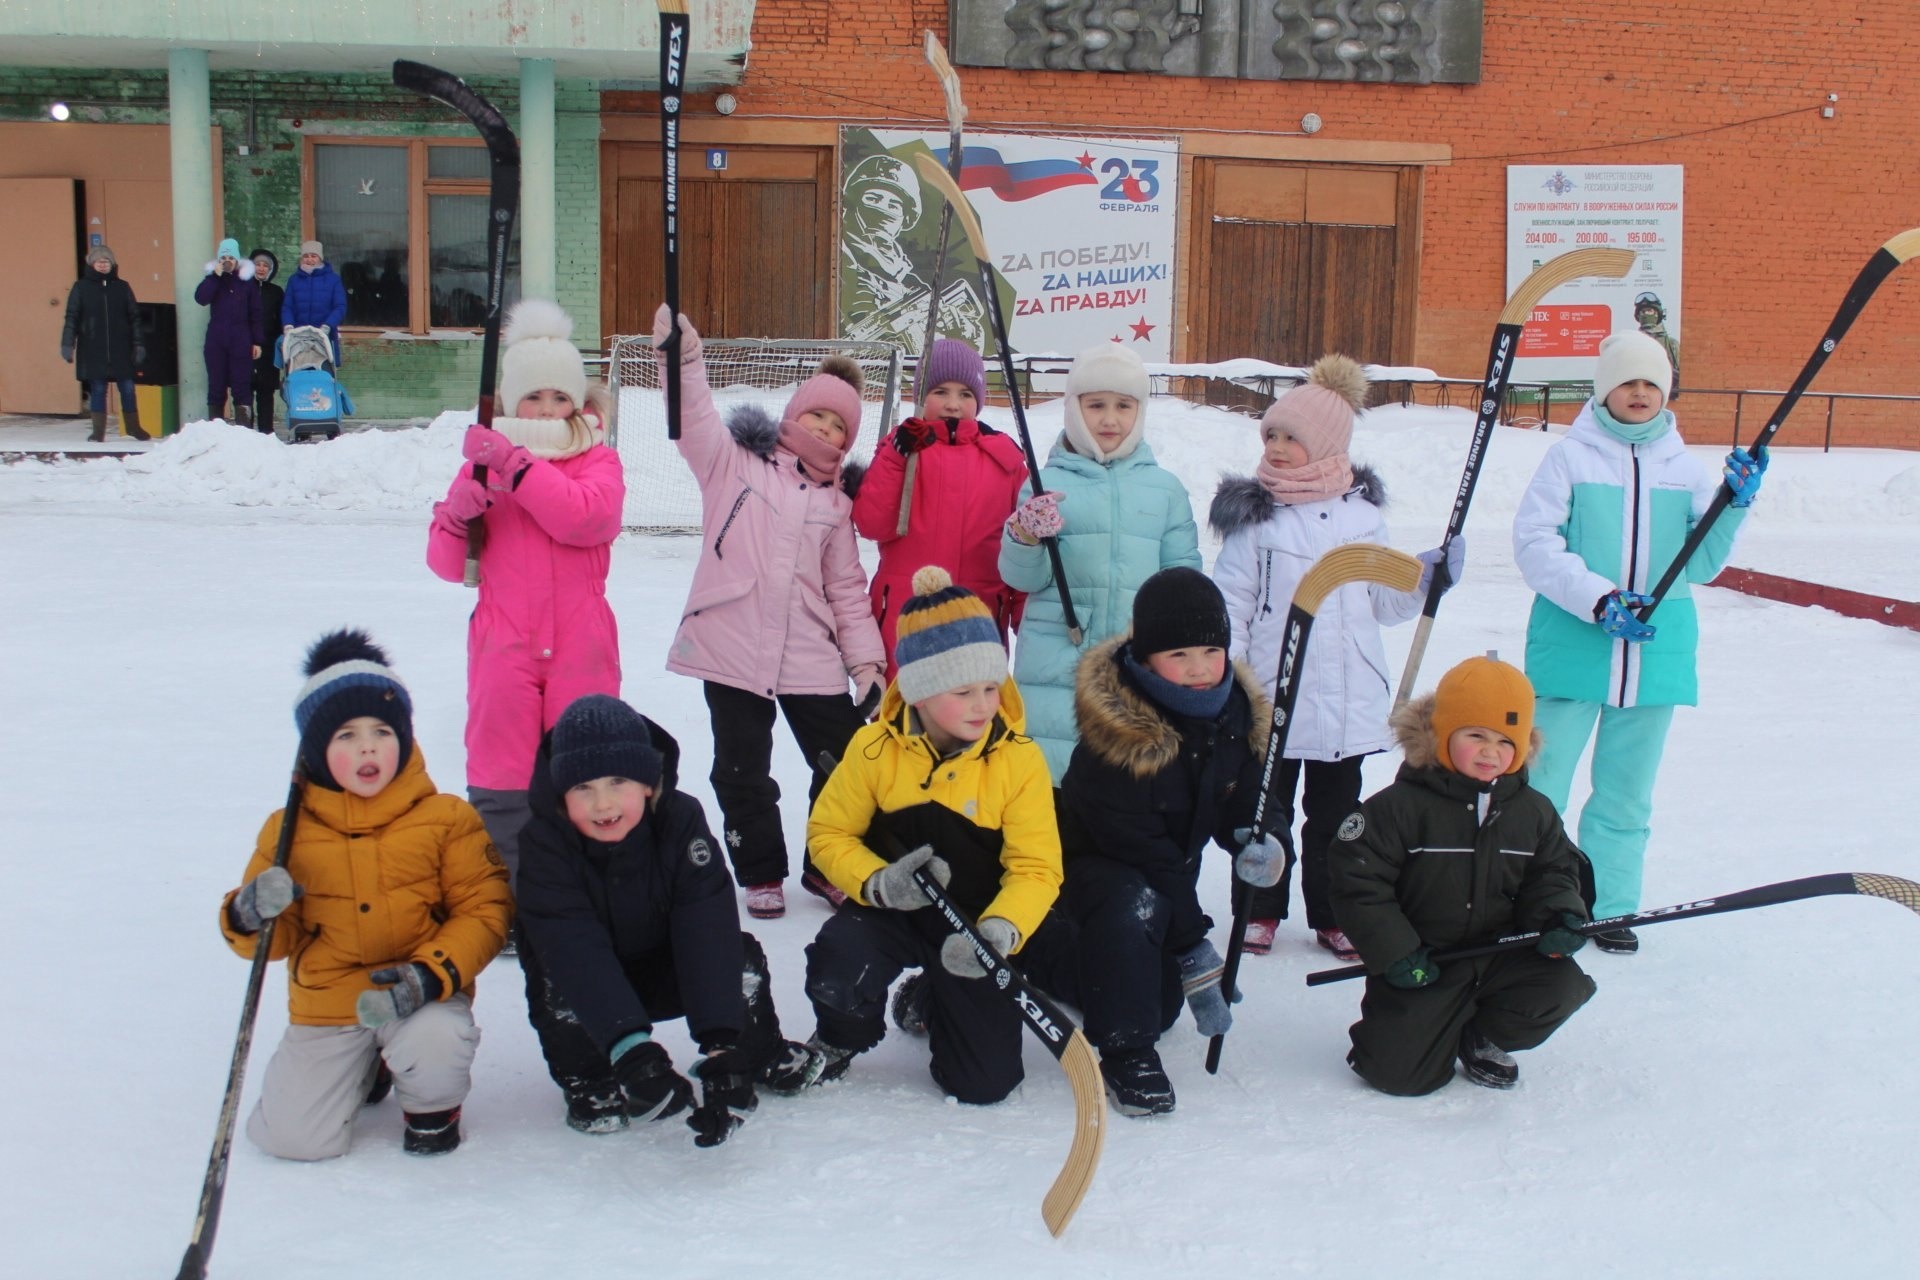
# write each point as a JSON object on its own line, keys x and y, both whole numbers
{"x": 541, "y": 634}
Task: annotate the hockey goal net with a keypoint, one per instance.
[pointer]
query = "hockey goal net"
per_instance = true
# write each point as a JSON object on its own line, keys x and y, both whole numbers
{"x": 661, "y": 494}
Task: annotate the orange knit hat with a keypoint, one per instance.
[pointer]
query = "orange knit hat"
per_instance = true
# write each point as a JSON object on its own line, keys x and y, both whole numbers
{"x": 1487, "y": 693}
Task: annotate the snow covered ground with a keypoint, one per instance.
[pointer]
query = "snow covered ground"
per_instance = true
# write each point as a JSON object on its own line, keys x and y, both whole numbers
{"x": 1735, "y": 1102}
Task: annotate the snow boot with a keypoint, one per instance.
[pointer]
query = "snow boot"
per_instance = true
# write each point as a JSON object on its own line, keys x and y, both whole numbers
{"x": 99, "y": 435}
{"x": 821, "y": 887}
{"x": 130, "y": 420}
{"x": 382, "y": 1085}
{"x": 243, "y": 416}
{"x": 1485, "y": 1062}
{"x": 1260, "y": 936}
{"x": 432, "y": 1133}
{"x": 1136, "y": 1082}
{"x": 827, "y": 1062}
{"x": 1622, "y": 942}
{"x": 910, "y": 1004}
{"x": 595, "y": 1106}
{"x": 766, "y": 901}
{"x": 793, "y": 1068}
{"x": 1336, "y": 941}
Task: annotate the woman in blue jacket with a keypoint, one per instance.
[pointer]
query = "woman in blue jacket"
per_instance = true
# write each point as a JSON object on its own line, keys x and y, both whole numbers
{"x": 315, "y": 296}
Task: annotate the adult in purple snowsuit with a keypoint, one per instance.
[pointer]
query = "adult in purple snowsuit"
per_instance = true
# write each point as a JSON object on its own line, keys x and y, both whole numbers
{"x": 234, "y": 334}
{"x": 315, "y": 296}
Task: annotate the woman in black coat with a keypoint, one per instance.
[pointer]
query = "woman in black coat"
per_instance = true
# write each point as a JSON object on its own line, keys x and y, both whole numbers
{"x": 266, "y": 375}
{"x": 102, "y": 340}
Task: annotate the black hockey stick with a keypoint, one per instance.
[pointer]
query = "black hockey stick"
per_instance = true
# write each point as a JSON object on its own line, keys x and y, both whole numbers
{"x": 673, "y": 79}
{"x": 193, "y": 1264}
{"x": 1355, "y": 562}
{"x": 1609, "y": 263}
{"x": 1892, "y": 888}
{"x": 931, "y": 171}
{"x": 1881, "y": 265}
{"x": 503, "y": 201}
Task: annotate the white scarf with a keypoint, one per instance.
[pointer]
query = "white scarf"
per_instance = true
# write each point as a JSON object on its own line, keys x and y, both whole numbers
{"x": 553, "y": 438}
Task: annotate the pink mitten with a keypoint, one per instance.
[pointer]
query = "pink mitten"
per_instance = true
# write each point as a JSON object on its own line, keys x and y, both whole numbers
{"x": 1037, "y": 518}
{"x": 689, "y": 340}
{"x": 503, "y": 459}
{"x": 465, "y": 500}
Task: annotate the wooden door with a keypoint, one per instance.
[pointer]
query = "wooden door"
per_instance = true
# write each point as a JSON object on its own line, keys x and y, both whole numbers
{"x": 755, "y": 250}
{"x": 39, "y": 260}
{"x": 139, "y": 228}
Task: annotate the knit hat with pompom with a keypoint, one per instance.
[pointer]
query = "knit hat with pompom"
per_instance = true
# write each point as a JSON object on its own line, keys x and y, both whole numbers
{"x": 837, "y": 387}
{"x": 945, "y": 639}
{"x": 348, "y": 677}
{"x": 537, "y": 355}
{"x": 1319, "y": 413}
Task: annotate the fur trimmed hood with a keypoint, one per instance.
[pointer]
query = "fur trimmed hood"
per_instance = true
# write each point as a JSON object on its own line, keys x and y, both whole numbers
{"x": 1241, "y": 501}
{"x": 1412, "y": 726}
{"x": 1124, "y": 729}
{"x": 758, "y": 432}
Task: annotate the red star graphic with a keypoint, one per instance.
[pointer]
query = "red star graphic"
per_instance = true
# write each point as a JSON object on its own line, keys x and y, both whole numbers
{"x": 1085, "y": 160}
{"x": 1141, "y": 329}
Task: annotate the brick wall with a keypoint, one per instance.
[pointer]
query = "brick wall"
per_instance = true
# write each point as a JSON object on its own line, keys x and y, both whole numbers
{"x": 1780, "y": 213}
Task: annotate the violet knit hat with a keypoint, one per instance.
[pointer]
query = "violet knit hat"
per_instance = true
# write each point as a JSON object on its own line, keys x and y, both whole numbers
{"x": 950, "y": 360}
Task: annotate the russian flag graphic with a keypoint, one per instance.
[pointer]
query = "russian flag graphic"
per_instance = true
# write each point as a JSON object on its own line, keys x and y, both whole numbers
{"x": 1021, "y": 180}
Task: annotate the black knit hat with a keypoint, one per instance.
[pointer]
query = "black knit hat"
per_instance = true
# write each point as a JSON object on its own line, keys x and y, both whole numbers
{"x": 348, "y": 676}
{"x": 1178, "y": 609}
{"x": 599, "y": 736}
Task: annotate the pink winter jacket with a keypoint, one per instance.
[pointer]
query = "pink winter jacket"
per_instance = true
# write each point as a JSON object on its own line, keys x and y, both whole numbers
{"x": 779, "y": 600}
{"x": 543, "y": 592}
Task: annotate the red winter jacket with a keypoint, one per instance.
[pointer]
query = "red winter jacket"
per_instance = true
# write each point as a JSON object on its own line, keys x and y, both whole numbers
{"x": 967, "y": 483}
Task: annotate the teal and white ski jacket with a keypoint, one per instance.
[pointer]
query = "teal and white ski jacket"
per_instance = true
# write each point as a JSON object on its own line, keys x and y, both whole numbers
{"x": 1602, "y": 514}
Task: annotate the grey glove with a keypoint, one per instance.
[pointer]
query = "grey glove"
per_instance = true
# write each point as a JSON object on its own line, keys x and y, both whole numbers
{"x": 262, "y": 898}
{"x": 404, "y": 988}
{"x": 1201, "y": 969}
{"x": 892, "y": 888}
{"x": 958, "y": 957}
{"x": 1261, "y": 863}
{"x": 1449, "y": 559}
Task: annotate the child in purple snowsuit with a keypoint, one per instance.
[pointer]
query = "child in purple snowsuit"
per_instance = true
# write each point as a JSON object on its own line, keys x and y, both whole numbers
{"x": 232, "y": 295}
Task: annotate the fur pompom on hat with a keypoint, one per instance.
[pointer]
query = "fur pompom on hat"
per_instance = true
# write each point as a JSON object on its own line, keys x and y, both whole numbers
{"x": 348, "y": 677}
{"x": 599, "y": 736}
{"x": 837, "y": 387}
{"x": 950, "y": 360}
{"x": 1106, "y": 367}
{"x": 1627, "y": 356}
{"x": 1487, "y": 693}
{"x": 1320, "y": 412}
{"x": 945, "y": 638}
{"x": 537, "y": 355}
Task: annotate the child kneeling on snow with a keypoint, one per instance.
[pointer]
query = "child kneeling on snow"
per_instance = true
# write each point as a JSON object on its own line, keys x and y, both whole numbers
{"x": 945, "y": 770}
{"x": 1171, "y": 740}
{"x": 391, "y": 901}
{"x": 1459, "y": 850}
{"x": 627, "y": 918}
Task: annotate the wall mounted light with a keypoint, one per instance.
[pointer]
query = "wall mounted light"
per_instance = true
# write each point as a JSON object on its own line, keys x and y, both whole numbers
{"x": 59, "y": 111}
{"x": 1310, "y": 123}
{"x": 726, "y": 104}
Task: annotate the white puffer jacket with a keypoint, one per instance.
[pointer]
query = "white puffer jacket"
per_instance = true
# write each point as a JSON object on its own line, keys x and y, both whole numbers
{"x": 1266, "y": 548}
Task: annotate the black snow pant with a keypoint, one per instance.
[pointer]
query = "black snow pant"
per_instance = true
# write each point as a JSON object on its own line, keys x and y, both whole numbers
{"x": 1406, "y": 1041}
{"x": 973, "y": 1028}
{"x": 1126, "y": 981}
{"x": 229, "y": 370}
{"x": 266, "y": 385}
{"x": 577, "y": 1064}
{"x": 1332, "y": 793}
{"x": 742, "y": 773}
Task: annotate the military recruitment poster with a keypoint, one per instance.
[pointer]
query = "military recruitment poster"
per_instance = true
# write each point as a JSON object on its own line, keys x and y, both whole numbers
{"x": 1081, "y": 231}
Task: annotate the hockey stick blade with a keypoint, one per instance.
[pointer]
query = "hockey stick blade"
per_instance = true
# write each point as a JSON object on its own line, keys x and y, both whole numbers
{"x": 1865, "y": 884}
{"x": 1063, "y": 1040}
{"x": 949, "y": 189}
{"x": 1885, "y": 260}
{"x": 1609, "y": 264}
{"x": 1355, "y": 562}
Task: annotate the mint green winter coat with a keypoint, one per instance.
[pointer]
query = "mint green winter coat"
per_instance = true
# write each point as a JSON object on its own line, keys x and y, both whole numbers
{"x": 1125, "y": 520}
{"x": 1602, "y": 514}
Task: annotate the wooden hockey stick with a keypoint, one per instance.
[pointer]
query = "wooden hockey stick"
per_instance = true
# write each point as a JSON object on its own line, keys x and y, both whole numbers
{"x": 1892, "y": 888}
{"x": 1355, "y": 562}
{"x": 1606, "y": 263}
{"x": 932, "y": 173}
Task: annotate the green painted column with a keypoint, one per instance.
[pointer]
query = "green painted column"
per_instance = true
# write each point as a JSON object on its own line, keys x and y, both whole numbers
{"x": 190, "y": 142}
{"x": 539, "y": 259}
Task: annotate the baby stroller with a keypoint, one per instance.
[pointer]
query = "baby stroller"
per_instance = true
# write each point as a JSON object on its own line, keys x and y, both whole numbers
{"x": 315, "y": 399}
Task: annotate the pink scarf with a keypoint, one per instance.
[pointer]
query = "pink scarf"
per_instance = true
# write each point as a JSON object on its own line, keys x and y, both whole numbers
{"x": 820, "y": 460}
{"x": 1291, "y": 486}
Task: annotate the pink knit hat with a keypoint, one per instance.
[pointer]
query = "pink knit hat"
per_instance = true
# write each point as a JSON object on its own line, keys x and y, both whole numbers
{"x": 1319, "y": 413}
{"x": 836, "y": 387}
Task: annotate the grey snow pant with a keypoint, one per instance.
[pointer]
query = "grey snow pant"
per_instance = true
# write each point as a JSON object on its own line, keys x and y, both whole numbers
{"x": 503, "y": 813}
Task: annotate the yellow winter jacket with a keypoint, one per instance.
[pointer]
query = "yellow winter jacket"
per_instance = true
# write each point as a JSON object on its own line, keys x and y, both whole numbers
{"x": 987, "y": 811}
{"x": 408, "y": 875}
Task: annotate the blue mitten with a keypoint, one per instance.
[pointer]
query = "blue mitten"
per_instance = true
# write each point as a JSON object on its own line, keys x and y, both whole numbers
{"x": 1201, "y": 969}
{"x": 1261, "y": 863}
{"x": 403, "y": 988}
{"x": 262, "y": 898}
{"x": 1617, "y": 616}
{"x": 1743, "y": 475}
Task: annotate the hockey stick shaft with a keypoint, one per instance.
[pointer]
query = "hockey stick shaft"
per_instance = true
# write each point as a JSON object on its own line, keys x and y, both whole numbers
{"x": 1608, "y": 263}
{"x": 1355, "y": 562}
{"x": 503, "y": 201}
{"x": 931, "y": 171}
{"x": 674, "y": 26}
{"x": 213, "y": 1188}
{"x": 1885, "y": 260}
{"x": 1892, "y": 888}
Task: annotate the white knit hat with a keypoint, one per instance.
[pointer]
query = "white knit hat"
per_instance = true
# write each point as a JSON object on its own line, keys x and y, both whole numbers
{"x": 1630, "y": 355}
{"x": 1106, "y": 367}
{"x": 538, "y": 355}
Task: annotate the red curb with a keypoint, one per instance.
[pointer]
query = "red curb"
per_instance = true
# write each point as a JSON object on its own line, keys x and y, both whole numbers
{"x": 1852, "y": 604}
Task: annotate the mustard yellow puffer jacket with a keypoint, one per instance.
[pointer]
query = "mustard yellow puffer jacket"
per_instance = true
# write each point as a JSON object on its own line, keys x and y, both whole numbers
{"x": 988, "y": 812}
{"x": 408, "y": 875}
